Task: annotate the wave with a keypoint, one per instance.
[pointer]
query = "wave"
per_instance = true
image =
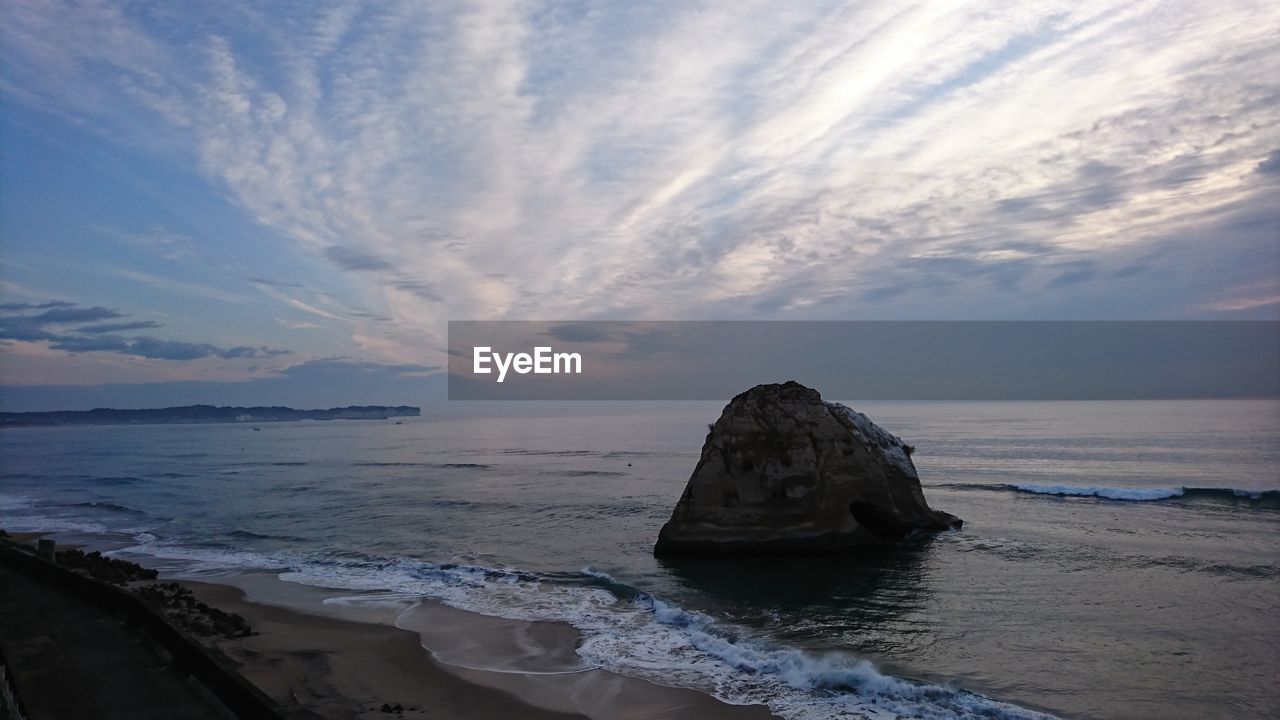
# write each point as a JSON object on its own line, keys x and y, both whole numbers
{"x": 21, "y": 476}
{"x": 119, "y": 480}
{"x": 1132, "y": 494}
{"x": 251, "y": 535}
{"x": 1107, "y": 493}
{"x": 10, "y": 503}
{"x": 55, "y": 523}
{"x": 20, "y": 513}
{"x": 632, "y": 632}
{"x": 389, "y": 464}
{"x": 446, "y": 466}
{"x": 113, "y": 507}
{"x": 455, "y": 503}
{"x": 553, "y": 453}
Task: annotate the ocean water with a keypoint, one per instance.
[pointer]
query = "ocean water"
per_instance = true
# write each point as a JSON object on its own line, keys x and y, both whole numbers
{"x": 1119, "y": 559}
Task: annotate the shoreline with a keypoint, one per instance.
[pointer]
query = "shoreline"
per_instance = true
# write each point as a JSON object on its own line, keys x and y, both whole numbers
{"x": 339, "y": 653}
{"x": 332, "y": 653}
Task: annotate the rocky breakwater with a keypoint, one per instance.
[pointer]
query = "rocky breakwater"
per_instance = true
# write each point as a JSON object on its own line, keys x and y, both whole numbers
{"x": 782, "y": 471}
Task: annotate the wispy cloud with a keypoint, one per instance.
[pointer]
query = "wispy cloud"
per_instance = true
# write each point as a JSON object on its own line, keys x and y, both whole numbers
{"x": 729, "y": 159}
{"x": 1245, "y": 303}
{"x": 292, "y": 325}
{"x": 157, "y": 241}
{"x": 1247, "y": 297}
{"x": 176, "y": 287}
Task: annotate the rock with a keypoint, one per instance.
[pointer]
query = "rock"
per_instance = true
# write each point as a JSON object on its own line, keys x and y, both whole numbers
{"x": 784, "y": 472}
{"x": 112, "y": 570}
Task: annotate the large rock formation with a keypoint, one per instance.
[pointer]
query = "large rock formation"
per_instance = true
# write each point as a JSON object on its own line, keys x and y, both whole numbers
{"x": 782, "y": 471}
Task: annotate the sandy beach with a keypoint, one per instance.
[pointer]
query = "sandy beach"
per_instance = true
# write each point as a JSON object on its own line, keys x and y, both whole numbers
{"x": 348, "y": 660}
{"x": 337, "y": 654}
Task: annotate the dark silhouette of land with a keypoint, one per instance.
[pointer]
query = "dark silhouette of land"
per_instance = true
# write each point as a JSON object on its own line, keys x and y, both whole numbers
{"x": 202, "y": 414}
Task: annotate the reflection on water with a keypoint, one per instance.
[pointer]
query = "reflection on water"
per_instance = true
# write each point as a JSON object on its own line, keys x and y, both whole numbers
{"x": 865, "y": 588}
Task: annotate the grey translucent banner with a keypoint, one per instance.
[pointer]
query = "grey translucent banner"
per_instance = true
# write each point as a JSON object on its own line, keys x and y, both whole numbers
{"x": 714, "y": 360}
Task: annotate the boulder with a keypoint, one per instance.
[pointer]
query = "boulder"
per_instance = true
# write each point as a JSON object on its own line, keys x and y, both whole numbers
{"x": 782, "y": 471}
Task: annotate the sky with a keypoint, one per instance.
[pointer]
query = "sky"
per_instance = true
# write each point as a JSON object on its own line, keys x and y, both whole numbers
{"x": 288, "y": 201}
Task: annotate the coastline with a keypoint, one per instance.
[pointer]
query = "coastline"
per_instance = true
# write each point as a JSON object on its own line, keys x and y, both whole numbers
{"x": 331, "y": 653}
{"x": 339, "y": 654}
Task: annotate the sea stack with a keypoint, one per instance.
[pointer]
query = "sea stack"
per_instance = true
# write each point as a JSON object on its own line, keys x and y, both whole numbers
{"x": 782, "y": 472}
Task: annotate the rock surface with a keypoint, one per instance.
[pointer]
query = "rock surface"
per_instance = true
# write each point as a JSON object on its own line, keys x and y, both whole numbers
{"x": 783, "y": 471}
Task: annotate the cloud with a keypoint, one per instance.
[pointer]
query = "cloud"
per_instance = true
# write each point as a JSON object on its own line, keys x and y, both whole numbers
{"x": 273, "y": 283}
{"x": 157, "y": 241}
{"x": 1244, "y": 303}
{"x": 59, "y": 313}
{"x": 11, "y": 307}
{"x": 69, "y": 315}
{"x": 96, "y": 344}
{"x": 718, "y": 160}
{"x": 64, "y": 317}
{"x": 349, "y": 259}
{"x": 156, "y": 349}
{"x": 10, "y": 330}
{"x": 297, "y": 325}
{"x": 176, "y": 287}
{"x": 1081, "y": 271}
{"x": 1253, "y": 296}
{"x": 418, "y": 288}
{"x": 347, "y": 367}
{"x": 1270, "y": 166}
{"x": 120, "y": 327}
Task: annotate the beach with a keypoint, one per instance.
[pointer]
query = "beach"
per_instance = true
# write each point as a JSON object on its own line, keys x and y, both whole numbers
{"x": 330, "y": 664}
{"x": 363, "y": 656}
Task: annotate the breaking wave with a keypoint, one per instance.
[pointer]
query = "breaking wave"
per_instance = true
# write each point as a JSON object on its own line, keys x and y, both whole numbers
{"x": 1133, "y": 494}
{"x": 632, "y": 632}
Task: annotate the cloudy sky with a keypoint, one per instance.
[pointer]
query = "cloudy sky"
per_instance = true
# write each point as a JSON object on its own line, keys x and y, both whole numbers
{"x": 259, "y": 193}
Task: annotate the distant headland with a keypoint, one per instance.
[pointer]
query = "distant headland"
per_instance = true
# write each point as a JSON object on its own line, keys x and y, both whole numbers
{"x": 202, "y": 414}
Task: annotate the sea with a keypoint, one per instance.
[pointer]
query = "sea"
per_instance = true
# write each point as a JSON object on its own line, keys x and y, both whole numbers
{"x": 1118, "y": 559}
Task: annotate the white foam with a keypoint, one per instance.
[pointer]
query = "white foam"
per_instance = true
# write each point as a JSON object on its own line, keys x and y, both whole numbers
{"x": 52, "y": 524}
{"x": 10, "y": 503}
{"x": 688, "y": 646}
{"x": 592, "y": 572}
{"x": 205, "y": 559}
{"x": 21, "y": 513}
{"x": 1251, "y": 494}
{"x": 639, "y": 635}
{"x": 1110, "y": 493}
